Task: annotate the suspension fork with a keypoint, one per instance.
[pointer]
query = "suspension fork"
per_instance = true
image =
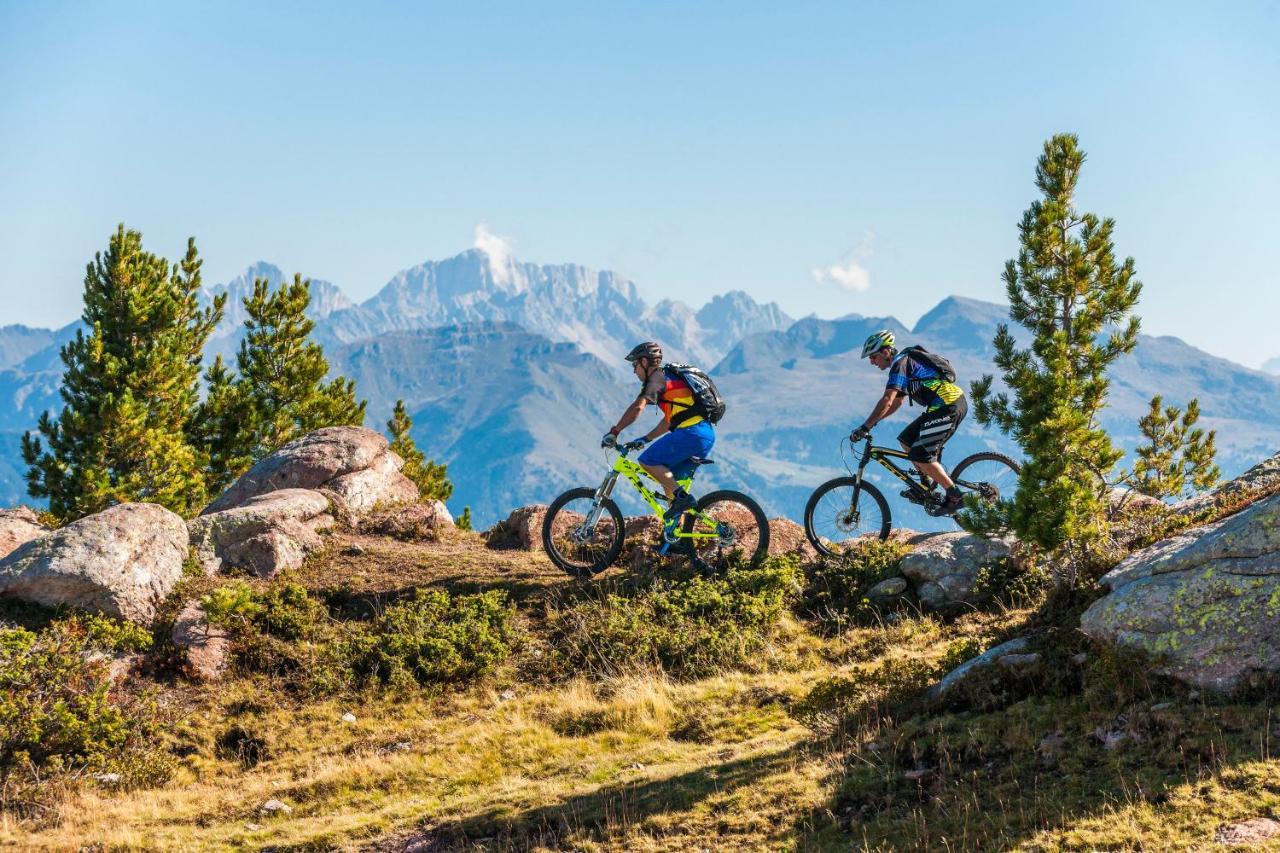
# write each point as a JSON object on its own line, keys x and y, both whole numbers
{"x": 597, "y": 505}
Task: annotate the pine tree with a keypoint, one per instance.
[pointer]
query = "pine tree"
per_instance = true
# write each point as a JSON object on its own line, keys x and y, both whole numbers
{"x": 219, "y": 428}
{"x": 130, "y": 387}
{"x": 279, "y": 393}
{"x": 431, "y": 479}
{"x": 1177, "y": 457}
{"x": 1066, "y": 289}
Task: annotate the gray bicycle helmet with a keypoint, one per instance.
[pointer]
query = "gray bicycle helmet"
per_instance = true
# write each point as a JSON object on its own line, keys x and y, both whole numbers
{"x": 648, "y": 349}
{"x": 882, "y": 339}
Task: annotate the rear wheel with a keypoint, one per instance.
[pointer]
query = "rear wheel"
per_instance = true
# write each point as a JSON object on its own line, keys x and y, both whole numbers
{"x": 728, "y": 529}
{"x": 840, "y": 512}
{"x": 576, "y": 546}
{"x": 989, "y": 476}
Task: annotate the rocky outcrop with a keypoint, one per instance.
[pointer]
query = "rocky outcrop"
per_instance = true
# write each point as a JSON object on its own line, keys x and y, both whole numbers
{"x": 522, "y": 529}
{"x": 268, "y": 534}
{"x": 1259, "y": 481}
{"x": 416, "y": 521}
{"x": 122, "y": 562}
{"x": 352, "y": 463}
{"x": 17, "y": 527}
{"x": 787, "y": 537}
{"x": 944, "y": 566}
{"x": 1012, "y": 649}
{"x": 204, "y": 646}
{"x": 1205, "y": 604}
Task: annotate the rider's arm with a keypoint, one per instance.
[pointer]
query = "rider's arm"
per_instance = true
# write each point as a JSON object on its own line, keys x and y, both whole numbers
{"x": 888, "y": 404}
{"x": 629, "y": 416}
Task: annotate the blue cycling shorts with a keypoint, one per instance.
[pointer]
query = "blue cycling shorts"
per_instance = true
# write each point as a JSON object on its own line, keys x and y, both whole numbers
{"x": 675, "y": 447}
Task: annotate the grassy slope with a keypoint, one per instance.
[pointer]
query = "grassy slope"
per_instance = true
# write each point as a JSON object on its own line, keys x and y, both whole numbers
{"x": 639, "y": 763}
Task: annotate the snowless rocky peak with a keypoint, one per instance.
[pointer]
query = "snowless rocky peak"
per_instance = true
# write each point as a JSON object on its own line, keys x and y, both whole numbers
{"x": 325, "y": 297}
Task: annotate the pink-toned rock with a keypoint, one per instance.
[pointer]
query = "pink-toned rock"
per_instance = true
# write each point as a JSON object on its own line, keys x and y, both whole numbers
{"x": 266, "y": 535}
{"x": 122, "y": 562}
{"x": 409, "y": 521}
{"x": 522, "y": 529}
{"x": 646, "y": 528}
{"x": 379, "y": 484}
{"x": 787, "y": 537}
{"x": 1248, "y": 833}
{"x": 354, "y": 463}
{"x": 17, "y": 527}
{"x": 944, "y": 566}
{"x": 206, "y": 647}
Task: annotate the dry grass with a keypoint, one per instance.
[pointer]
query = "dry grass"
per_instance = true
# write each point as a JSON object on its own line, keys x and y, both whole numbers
{"x": 639, "y": 762}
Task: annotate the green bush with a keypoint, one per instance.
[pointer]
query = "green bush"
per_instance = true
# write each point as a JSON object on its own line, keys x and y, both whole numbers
{"x": 689, "y": 628}
{"x": 58, "y": 711}
{"x": 285, "y": 633}
{"x": 435, "y": 639}
{"x": 835, "y": 588}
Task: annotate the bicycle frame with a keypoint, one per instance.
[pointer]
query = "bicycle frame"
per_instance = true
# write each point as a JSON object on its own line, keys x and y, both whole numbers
{"x": 636, "y": 475}
{"x": 883, "y": 455}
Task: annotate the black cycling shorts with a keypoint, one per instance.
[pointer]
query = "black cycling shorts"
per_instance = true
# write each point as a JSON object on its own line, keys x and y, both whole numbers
{"x": 923, "y": 438}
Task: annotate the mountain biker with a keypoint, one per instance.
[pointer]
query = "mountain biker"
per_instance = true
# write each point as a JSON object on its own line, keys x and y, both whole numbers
{"x": 691, "y": 436}
{"x": 945, "y": 407}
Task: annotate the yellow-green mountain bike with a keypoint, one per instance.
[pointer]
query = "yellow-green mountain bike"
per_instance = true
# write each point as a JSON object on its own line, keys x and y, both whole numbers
{"x": 583, "y": 531}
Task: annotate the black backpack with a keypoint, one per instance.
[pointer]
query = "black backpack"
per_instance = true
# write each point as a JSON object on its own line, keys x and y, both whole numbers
{"x": 940, "y": 364}
{"x": 707, "y": 402}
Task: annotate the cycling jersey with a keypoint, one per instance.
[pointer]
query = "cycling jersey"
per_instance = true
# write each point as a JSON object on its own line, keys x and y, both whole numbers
{"x": 671, "y": 394}
{"x": 921, "y": 383}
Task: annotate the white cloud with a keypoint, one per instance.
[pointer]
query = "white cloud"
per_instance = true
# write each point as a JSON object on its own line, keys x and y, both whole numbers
{"x": 498, "y": 249}
{"x": 852, "y": 277}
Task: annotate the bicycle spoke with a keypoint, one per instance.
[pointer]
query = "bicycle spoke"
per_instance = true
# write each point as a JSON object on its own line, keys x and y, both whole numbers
{"x": 578, "y": 543}
{"x": 990, "y": 480}
{"x": 723, "y": 533}
{"x": 837, "y": 521}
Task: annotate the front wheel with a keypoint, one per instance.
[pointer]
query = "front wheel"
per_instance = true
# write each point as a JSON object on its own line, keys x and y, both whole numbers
{"x": 581, "y": 537}
{"x": 842, "y": 511}
{"x": 726, "y": 528}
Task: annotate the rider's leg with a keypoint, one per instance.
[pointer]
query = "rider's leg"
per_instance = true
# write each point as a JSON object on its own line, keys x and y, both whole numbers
{"x": 671, "y": 450}
{"x": 663, "y": 475}
{"x": 934, "y": 471}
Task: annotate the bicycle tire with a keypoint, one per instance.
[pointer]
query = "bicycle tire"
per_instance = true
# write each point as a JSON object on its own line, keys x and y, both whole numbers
{"x": 957, "y": 473}
{"x": 556, "y": 554}
{"x": 821, "y": 543}
{"x": 717, "y": 558}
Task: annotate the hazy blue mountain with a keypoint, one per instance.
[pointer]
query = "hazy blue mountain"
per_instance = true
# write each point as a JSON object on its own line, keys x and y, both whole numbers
{"x": 1272, "y": 366}
{"x": 513, "y": 372}
{"x": 18, "y": 342}
{"x": 517, "y": 417}
{"x": 599, "y": 311}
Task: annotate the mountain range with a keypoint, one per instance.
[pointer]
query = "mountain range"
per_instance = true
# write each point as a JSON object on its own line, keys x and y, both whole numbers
{"x": 512, "y": 371}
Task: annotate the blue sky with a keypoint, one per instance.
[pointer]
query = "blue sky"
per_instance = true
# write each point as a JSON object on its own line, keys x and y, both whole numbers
{"x": 693, "y": 147}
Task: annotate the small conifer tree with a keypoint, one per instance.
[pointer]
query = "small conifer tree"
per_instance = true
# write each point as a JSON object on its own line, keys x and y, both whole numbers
{"x": 431, "y": 479}
{"x": 130, "y": 386}
{"x": 1177, "y": 457}
{"x": 1067, "y": 290}
{"x": 219, "y": 428}
{"x": 279, "y": 393}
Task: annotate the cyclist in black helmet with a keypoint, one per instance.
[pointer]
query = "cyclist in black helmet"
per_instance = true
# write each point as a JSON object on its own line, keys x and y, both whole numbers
{"x": 944, "y": 408}
{"x": 692, "y": 436}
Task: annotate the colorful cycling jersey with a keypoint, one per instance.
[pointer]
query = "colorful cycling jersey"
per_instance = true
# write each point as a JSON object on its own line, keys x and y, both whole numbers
{"x": 921, "y": 383}
{"x": 671, "y": 394}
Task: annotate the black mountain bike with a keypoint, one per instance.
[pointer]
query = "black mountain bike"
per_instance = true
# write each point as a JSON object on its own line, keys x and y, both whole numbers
{"x": 848, "y": 508}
